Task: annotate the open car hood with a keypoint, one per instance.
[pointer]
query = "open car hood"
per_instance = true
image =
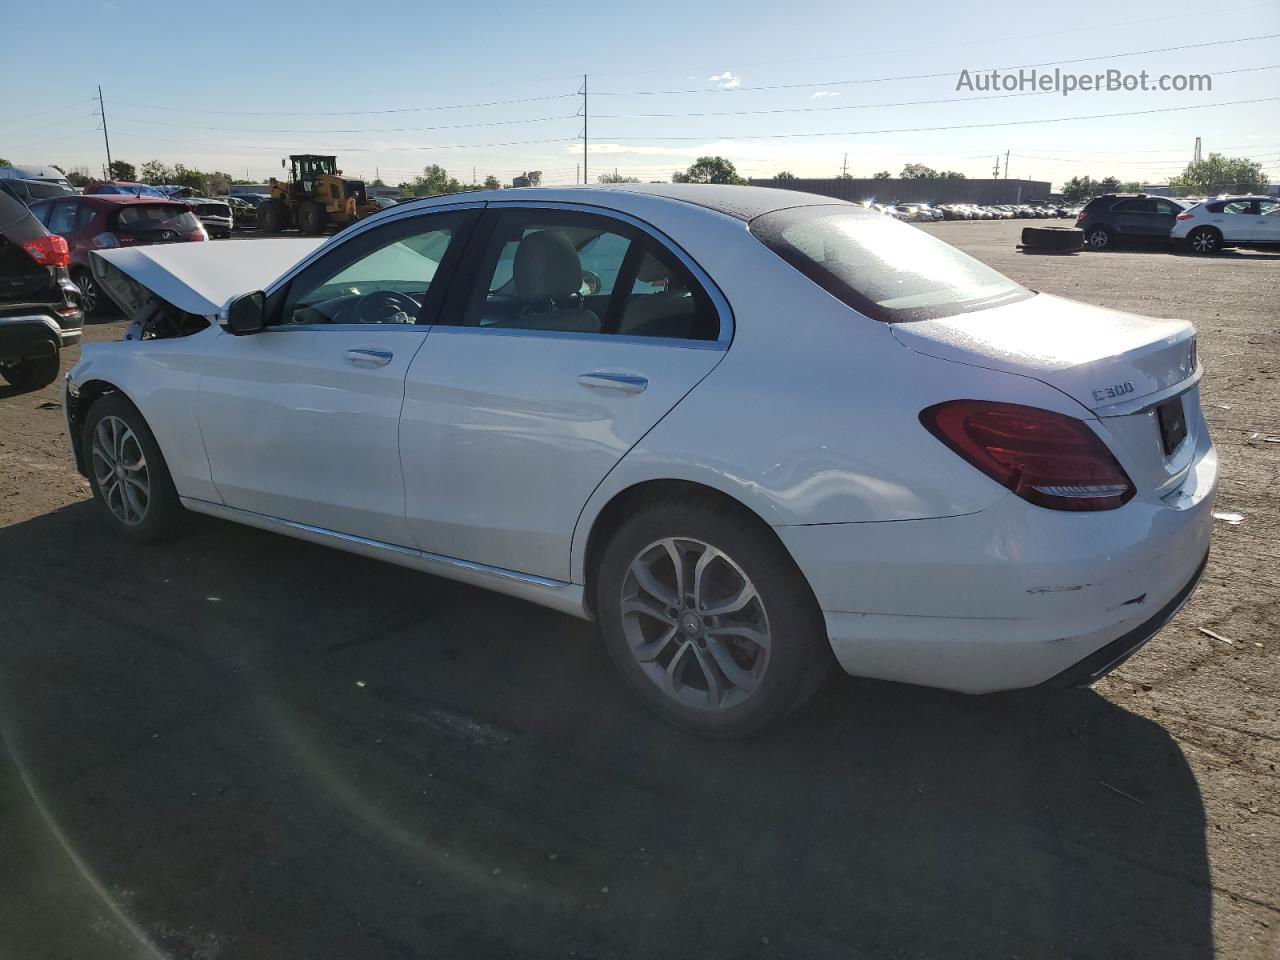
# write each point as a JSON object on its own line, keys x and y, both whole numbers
{"x": 196, "y": 278}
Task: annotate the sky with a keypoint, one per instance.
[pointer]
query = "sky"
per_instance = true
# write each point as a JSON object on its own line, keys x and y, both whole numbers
{"x": 495, "y": 89}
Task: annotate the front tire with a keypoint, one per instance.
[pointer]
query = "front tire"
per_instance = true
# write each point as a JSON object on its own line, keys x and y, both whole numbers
{"x": 269, "y": 218}
{"x": 1204, "y": 240}
{"x": 708, "y": 619}
{"x": 127, "y": 472}
{"x": 34, "y": 372}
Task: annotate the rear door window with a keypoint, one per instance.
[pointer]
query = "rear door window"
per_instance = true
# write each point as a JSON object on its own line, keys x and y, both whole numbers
{"x": 63, "y": 219}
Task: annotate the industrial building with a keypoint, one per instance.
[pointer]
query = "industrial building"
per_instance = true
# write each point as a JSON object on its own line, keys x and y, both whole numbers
{"x": 934, "y": 190}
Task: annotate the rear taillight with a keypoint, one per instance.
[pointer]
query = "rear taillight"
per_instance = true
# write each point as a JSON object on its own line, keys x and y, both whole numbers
{"x": 1184, "y": 216}
{"x": 1081, "y": 215}
{"x": 1049, "y": 459}
{"x": 105, "y": 241}
{"x": 50, "y": 251}
{"x": 198, "y": 235}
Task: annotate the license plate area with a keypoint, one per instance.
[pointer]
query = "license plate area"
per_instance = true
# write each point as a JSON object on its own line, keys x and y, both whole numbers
{"x": 1173, "y": 425}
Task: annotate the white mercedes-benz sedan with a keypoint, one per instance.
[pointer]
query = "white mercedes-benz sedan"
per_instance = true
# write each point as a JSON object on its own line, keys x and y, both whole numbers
{"x": 742, "y": 429}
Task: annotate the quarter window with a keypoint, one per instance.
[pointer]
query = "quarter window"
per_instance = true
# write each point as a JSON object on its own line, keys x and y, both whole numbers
{"x": 63, "y": 220}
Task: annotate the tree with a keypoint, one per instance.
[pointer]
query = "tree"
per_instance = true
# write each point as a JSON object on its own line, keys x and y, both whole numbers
{"x": 616, "y": 178}
{"x": 377, "y": 182}
{"x": 1079, "y": 188}
{"x": 882, "y": 175}
{"x": 76, "y": 177}
{"x": 5, "y": 163}
{"x": 709, "y": 170}
{"x": 154, "y": 171}
{"x": 190, "y": 177}
{"x": 219, "y": 184}
{"x": 434, "y": 181}
{"x": 784, "y": 175}
{"x": 1109, "y": 185}
{"x": 492, "y": 183}
{"x": 918, "y": 171}
{"x": 1219, "y": 174}
{"x": 123, "y": 170}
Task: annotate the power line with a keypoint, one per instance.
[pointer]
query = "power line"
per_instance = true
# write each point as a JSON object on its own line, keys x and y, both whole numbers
{"x": 350, "y": 113}
{"x": 354, "y": 149}
{"x": 453, "y": 126}
{"x": 958, "y": 126}
{"x": 934, "y": 76}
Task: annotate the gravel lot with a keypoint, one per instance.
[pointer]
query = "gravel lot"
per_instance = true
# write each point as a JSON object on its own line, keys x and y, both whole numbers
{"x": 238, "y": 745}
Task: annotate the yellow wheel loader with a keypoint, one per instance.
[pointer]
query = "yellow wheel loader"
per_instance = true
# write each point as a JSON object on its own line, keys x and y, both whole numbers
{"x": 315, "y": 195}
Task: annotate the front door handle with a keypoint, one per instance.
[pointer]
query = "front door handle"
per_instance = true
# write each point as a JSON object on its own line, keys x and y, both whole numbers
{"x": 369, "y": 357}
{"x": 626, "y": 382}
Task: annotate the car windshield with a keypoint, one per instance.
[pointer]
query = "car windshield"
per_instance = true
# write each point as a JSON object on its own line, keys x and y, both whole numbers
{"x": 889, "y": 271}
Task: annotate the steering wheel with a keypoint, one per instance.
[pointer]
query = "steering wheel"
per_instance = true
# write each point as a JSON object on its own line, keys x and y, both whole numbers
{"x": 386, "y": 306}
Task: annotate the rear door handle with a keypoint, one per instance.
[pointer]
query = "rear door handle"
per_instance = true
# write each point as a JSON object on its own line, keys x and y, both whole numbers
{"x": 369, "y": 357}
{"x": 626, "y": 382}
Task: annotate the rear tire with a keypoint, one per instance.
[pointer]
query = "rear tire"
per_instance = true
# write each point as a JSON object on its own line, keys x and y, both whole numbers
{"x": 731, "y": 645}
{"x": 93, "y": 301}
{"x": 127, "y": 472}
{"x": 270, "y": 219}
{"x": 311, "y": 218}
{"x": 1099, "y": 238}
{"x": 1204, "y": 240}
{"x": 34, "y": 372}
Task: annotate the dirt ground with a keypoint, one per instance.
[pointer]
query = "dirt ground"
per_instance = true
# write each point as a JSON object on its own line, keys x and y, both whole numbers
{"x": 238, "y": 745}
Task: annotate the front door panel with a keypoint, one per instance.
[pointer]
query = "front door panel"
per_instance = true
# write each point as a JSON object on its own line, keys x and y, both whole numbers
{"x": 302, "y": 424}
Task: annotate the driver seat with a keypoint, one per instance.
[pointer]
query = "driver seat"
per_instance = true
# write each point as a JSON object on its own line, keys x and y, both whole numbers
{"x": 548, "y": 277}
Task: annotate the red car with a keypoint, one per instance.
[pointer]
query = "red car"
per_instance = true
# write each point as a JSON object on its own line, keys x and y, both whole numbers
{"x": 104, "y": 221}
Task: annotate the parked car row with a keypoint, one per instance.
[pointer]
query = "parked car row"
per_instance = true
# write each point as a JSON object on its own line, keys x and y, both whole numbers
{"x": 927, "y": 213}
{"x": 1203, "y": 226}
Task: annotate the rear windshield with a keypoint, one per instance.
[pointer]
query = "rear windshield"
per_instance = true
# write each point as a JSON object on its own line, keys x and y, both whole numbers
{"x": 888, "y": 270}
{"x": 146, "y": 218}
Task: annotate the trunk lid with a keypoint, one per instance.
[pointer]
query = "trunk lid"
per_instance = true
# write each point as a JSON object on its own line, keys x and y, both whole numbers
{"x": 1121, "y": 367}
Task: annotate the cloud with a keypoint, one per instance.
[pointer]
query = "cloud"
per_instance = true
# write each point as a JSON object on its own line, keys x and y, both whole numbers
{"x": 726, "y": 80}
{"x": 824, "y": 93}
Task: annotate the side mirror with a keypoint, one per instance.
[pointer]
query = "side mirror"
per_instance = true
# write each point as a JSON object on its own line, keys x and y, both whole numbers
{"x": 246, "y": 314}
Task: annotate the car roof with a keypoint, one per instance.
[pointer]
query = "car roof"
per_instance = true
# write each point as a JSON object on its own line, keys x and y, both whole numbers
{"x": 739, "y": 202}
{"x": 120, "y": 200}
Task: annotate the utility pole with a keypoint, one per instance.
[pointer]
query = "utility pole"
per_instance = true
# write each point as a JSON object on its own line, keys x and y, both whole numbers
{"x": 102, "y": 110}
{"x": 1006, "y": 164}
{"x": 844, "y": 167}
{"x": 577, "y": 173}
{"x": 995, "y": 174}
{"x": 1196, "y": 157}
{"x": 583, "y": 91}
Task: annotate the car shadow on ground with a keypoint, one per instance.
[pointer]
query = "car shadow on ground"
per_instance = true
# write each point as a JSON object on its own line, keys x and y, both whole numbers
{"x": 259, "y": 747}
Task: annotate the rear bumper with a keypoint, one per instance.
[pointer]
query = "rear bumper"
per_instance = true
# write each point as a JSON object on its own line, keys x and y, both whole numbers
{"x": 1013, "y": 596}
{"x": 35, "y": 335}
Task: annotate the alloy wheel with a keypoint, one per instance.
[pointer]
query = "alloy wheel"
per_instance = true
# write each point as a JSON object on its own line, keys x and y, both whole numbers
{"x": 695, "y": 623}
{"x": 120, "y": 469}
{"x": 1099, "y": 239}
{"x": 88, "y": 291}
{"x": 1204, "y": 242}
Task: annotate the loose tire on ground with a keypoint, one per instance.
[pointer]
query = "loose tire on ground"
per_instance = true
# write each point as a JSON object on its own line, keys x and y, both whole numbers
{"x": 726, "y": 554}
{"x": 33, "y": 373}
{"x": 311, "y": 218}
{"x": 127, "y": 472}
{"x": 270, "y": 217}
{"x": 1057, "y": 239}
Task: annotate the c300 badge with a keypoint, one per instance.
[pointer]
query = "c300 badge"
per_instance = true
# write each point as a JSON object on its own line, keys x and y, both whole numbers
{"x": 1113, "y": 392}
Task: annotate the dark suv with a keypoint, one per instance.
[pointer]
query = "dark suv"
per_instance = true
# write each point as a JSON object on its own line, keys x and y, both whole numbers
{"x": 103, "y": 222}
{"x": 39, "y": 305}
{"x": 1127, "y": 216}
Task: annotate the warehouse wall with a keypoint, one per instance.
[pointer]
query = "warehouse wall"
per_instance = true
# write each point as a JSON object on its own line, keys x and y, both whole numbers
{"x": 926, "y": 191}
